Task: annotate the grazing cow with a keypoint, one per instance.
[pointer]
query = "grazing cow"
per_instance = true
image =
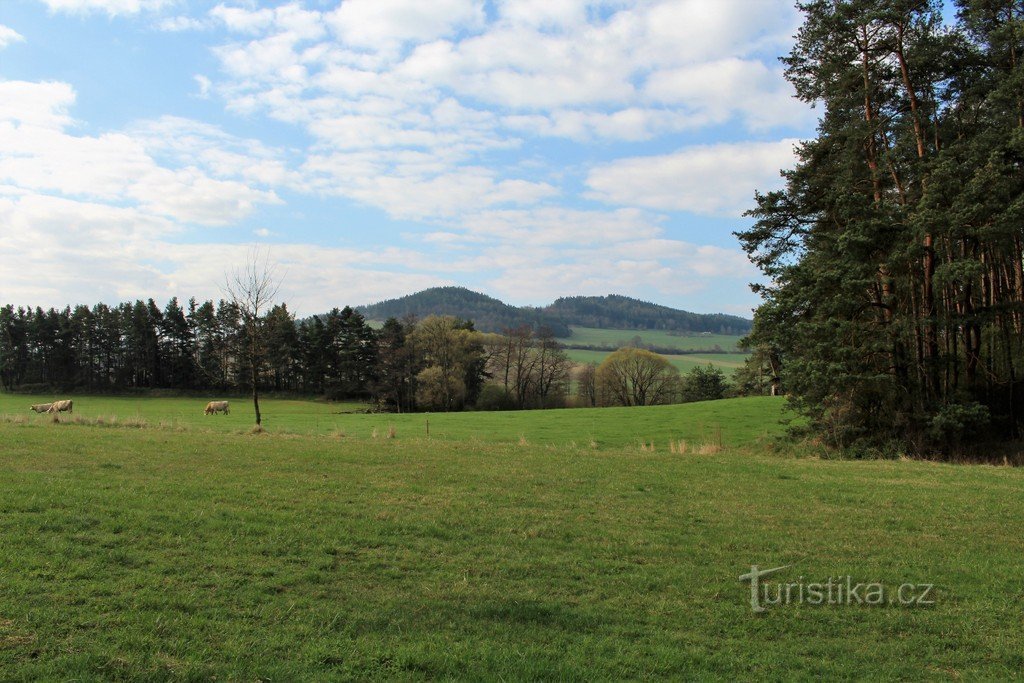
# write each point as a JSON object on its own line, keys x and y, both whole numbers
{"x": 41, "y": 407}
{"x": 216, "y": 407}
{"x": 61, "y": 407}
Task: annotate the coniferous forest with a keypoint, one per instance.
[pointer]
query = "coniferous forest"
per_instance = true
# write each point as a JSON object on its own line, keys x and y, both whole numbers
{"x": 434, "y": 363}
{"x": 894, "y": 313}
{"x": 197, "y": 346}
{"x": 437, "y": 363}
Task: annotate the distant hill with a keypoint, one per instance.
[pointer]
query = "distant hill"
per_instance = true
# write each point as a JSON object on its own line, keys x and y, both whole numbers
{"x": 625, "y": 313}
{"x": 487, "y": 313}
{"x": 607, "y": 312}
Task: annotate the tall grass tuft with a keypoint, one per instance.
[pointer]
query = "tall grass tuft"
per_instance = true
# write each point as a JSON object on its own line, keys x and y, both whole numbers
{"x": 707, "y": 448}
{"x": 391, "y": 431}
{"x": 678, "y": 447}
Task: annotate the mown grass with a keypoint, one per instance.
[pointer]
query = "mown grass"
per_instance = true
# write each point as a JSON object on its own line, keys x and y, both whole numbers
{"x": 726, "y": 362}
{"x": 614, "y": 339}
{"x": 738, "y": 420}
{"x": 155, "y": 554}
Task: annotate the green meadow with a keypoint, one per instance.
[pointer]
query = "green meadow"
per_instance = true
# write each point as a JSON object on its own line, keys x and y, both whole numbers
{"x": 167, "y": 545}
{"x": 737, "y": 421}
{"x": 615, "y": 339}
{"x": 726, "y": 362}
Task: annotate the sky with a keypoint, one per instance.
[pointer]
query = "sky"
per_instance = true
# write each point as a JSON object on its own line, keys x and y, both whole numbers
{"x": 528, "y": 149}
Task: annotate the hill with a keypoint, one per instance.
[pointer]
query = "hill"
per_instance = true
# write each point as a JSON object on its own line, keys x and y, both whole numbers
{"x": 625, "y": 313}
{"x": 487, "y": 313}
{"x": 606, "y": 312}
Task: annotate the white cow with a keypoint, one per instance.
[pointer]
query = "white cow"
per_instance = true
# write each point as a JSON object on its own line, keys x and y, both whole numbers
{"x": 41, "y": 407}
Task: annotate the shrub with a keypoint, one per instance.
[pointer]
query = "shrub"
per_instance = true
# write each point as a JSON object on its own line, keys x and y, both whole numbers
{"x": 495, "y": 397}
{"x": 957, "y": 423}
{"x": 704, "y": 384}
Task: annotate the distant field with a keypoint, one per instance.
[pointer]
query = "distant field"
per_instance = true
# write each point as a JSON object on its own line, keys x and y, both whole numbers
{"x": 728, "y": 362}
{"x": 740, "y": 420}
{"x": 614, "y": 339}
{"x": 192, "y": 554}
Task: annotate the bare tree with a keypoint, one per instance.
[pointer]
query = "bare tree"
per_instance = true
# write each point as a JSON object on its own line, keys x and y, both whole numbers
{"x": 252, "y": 289}
{"x": 586, "y": 383}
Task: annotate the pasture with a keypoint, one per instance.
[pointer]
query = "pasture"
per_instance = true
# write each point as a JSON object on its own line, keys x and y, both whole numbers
{"x": 196, "y": 550}
{"x": 616, "y": 339}
{"x": 738, "y": 420}
{"x": 726, "y": 362}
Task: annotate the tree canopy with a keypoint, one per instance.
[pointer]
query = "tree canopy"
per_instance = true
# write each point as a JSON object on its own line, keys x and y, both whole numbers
{"x": 895, "y": 303}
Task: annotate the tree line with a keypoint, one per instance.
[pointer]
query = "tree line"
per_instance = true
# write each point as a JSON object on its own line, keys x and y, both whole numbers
{"x": 439, "y": 363}
{"x": 622, "y": 312}
{"x": 894, "y": 313}
{"x": 487, "y": 313}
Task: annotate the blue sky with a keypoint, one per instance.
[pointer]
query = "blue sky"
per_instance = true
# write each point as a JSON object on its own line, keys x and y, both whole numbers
{"x": 529, "y": 149}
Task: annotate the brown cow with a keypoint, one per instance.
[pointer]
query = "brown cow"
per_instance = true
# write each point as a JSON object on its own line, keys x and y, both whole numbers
{"x": 216, "y": 407}
{"x": 61, "y": 407}
{"x": 40, "y": 407}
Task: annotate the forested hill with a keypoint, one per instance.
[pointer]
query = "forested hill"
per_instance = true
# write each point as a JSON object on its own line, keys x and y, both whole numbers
{"x": 624, "y": 313}
{"x": 609, "y": 312}
{"x": 487, "y": 313}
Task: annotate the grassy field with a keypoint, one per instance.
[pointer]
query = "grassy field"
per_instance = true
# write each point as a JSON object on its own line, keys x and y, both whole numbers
{"x": 727, "y": 362}
{"x": 190, "y": 554}
{"x": 738, "y": 420}
{"x": 615, "y": 339}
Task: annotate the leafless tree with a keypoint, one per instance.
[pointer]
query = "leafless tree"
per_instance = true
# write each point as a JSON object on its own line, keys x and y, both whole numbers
{"x": 586, "y": 383}
{"x": 251, "y": 289}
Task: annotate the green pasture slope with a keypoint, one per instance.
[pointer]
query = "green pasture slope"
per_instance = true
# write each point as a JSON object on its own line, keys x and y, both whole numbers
{"x": 738, "y": 421}
{"x": 194, "y": 552}
{"x": 726, "y": 362}
{"x": 615, "y": 339}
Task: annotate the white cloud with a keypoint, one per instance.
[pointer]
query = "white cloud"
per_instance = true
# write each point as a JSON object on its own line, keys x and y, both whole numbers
{"x": 242, "y": 20}
{"x": 60, "y": 251}
{"x": 423, "y": 196}
{"x": 440, "y": 113}
{"x": 8, "y": 35}
{"x": 633, "y": 124}
{"x": 110, "y": 7}
{"x": 544, "y": 13}
{"x": 386, "y": 24}
{"x": 43, "y": 105}
{"x": 407, "y": 103}
{"x": 716, "y": 91}
{"x": 670, "y": 268}
{"x": 204, "y": 84}
{"x": 181, "y": 23}
{"x": 560, "y": 226}
{"x": 38, "y": 154}
{"x": 184, "y": 142}
{"x": 712, "y": 180}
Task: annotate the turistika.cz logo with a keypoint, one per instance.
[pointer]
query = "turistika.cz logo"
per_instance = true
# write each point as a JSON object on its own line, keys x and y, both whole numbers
{"x": 841, "y": 591}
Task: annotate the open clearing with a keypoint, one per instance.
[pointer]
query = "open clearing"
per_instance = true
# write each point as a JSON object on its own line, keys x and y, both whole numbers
{"x": 726, "y": 362}
{"x": 740, "y": 421}
{"x": 194, "y": 551}
{"x": 615, "y": 339}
